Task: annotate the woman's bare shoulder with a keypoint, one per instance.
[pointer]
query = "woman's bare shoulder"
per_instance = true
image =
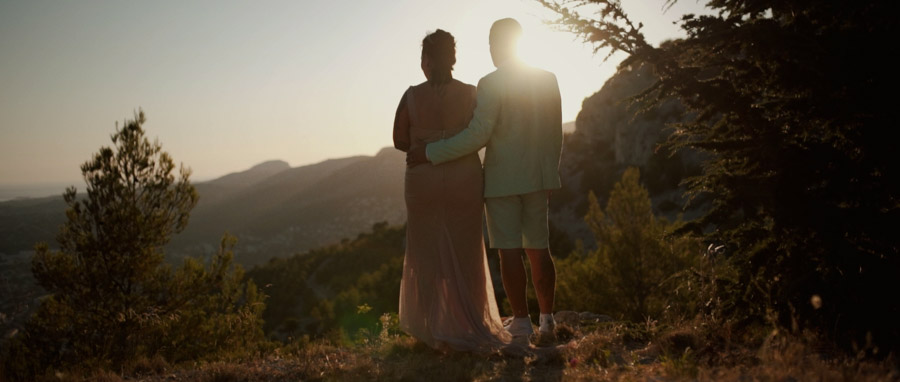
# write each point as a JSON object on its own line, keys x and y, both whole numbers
{"x": 420, "y": 86}
{"x": 463, "y": 84}
{"x": 465, "y": 88}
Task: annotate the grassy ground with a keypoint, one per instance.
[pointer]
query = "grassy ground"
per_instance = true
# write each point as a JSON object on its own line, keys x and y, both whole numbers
{"x": 587, "y": 352}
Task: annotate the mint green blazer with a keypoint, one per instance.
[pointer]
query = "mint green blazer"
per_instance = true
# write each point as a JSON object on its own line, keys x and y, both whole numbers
{"x": 518, "y": 118}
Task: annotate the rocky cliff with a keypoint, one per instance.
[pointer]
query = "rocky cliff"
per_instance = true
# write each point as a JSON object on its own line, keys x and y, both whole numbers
{"x": 612, "y": 134}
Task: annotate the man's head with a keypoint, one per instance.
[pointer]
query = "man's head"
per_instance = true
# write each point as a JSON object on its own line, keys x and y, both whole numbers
{"x": 504, "y": 40}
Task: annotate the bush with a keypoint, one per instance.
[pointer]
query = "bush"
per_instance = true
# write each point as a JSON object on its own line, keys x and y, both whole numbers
{"x": 633, "y": 272}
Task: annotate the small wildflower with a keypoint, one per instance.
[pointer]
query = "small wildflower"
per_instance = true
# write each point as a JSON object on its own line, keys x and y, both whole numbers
{"x": 816, "y": 301}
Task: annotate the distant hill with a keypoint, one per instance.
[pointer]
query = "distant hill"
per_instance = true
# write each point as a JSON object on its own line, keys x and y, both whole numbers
{"x": 273, "y": 209}
{"x": 24, "y": 222}
{"x": 30, "y": 191}
{"x": 227, "y": 185}
{"x": 251, "y": 176}
{"x": 299, "y": 208}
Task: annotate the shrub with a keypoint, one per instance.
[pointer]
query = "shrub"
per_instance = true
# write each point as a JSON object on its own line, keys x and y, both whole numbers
{"x": 633, "y": 272}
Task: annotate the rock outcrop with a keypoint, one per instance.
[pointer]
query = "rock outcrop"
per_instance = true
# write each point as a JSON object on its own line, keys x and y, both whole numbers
{"x": 612, "y": 134}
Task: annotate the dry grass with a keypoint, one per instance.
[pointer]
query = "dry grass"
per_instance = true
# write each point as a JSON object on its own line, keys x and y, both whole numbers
{"x": 606, "y": 352}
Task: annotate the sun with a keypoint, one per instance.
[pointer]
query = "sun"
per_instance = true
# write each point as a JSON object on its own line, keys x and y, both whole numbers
{"x": 579, "y": 72}
{"x": 544, "y": 47}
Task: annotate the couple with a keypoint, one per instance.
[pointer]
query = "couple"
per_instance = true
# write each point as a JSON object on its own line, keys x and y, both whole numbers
{"x": 446, "y": 294}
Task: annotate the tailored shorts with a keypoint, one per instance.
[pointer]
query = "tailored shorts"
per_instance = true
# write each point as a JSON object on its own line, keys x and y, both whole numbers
{"x": 518, "y": 221}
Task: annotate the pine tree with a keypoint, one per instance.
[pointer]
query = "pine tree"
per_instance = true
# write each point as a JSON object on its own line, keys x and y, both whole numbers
{"x": 632, "y": 272}
{"x": 112, "y": 297}
{"x": 791, "y": 99}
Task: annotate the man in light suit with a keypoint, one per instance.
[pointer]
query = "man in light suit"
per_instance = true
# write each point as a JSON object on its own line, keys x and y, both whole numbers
{"x": 518, "y": 119}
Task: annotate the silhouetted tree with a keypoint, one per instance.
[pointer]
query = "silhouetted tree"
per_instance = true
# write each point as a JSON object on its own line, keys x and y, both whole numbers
{"x": 112, "y": 298}
{"x": 632, "y": 272}
{"x": 793, "y": 100}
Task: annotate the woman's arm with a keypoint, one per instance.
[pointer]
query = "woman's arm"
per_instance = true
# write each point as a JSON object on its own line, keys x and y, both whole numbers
{"x": 401, "y": 125}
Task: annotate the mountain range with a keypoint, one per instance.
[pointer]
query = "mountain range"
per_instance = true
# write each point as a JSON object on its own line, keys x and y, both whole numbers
{"x": 274, "y": 210}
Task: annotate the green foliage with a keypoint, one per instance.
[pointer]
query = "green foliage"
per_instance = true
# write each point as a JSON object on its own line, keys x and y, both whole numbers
{"x": 319, "y": 293}
{"x": 222, "y": 313}
{"x": 633, "y": 272}
{"x": 792, "y": 100}
{"x": 112, "y": 299}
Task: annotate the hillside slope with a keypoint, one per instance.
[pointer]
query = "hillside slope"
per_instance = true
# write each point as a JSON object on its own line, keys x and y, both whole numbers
{"x": 300, "y": 208}
{"x": 273, "y": 209}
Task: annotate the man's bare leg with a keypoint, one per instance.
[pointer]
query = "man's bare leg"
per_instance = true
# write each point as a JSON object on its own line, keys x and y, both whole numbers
{"x": 543, "y": 276}
{"x": 512, "y": 271}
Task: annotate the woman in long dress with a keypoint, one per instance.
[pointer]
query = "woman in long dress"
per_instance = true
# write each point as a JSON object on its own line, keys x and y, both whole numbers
{"x": 446, "y": 295}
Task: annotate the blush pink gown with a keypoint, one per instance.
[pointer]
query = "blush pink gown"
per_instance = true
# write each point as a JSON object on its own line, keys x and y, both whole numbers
{"x": 446, "y": 295}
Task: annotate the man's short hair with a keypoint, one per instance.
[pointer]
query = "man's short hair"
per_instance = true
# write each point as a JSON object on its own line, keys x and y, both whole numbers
{"x": 505, "y": 32}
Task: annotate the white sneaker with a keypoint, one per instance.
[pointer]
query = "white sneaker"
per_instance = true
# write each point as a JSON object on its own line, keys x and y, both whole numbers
{"x": 548, "y": 324}
{"x": 520, "y": 327}
{"x": 547, "y": 331}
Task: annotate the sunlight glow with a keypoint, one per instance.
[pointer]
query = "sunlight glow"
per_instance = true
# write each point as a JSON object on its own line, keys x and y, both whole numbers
{"x": 225, "y": 90}
{"x": 578, "y": 71}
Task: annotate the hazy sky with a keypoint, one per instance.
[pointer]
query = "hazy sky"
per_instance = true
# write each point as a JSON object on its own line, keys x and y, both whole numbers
{"x": 229, "y": 84}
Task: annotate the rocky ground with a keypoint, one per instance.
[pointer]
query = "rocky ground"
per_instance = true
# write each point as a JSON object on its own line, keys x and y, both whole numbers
{"x": 590, "y": 347}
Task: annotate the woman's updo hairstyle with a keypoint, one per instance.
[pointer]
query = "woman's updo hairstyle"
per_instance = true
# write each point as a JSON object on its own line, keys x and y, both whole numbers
{"x": 440, "y": 47}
